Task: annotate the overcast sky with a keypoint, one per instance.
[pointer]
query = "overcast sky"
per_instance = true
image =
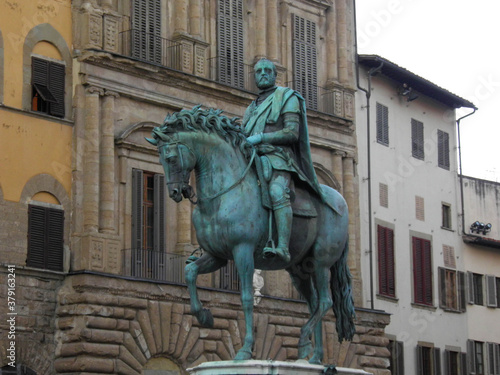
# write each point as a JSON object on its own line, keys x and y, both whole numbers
{"x": 454, "y": 44}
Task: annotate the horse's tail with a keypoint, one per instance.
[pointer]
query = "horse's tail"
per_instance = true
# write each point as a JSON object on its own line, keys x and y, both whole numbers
{"x": 343, "y": 304}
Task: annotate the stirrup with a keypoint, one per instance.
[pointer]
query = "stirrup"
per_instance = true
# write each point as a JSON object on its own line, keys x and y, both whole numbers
{"x": 269, "y": 250}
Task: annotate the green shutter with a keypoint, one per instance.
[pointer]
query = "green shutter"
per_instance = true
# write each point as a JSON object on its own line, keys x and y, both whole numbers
{"x": 146, "y": 30}
{"x": 417, "y": 139}
{"x": 437, "y": 361}
{"x": 56, "y": 87}
{"x": 471, "y": 357}
{"x": 382, "y": 124}
{"x": 443, "y": 150}
{"x": 230, "y": 43}
{"x": 491, "y": 292}
{"x": 36, "y": 237}
{"x": 305, "y": 65}
{"x": 462, "y": 302}
{"x": 55, "y": 239}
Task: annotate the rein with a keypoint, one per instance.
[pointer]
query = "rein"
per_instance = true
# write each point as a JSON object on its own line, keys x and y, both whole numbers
{"x": 185, "y": 175}
{"x": 254, "y": 152}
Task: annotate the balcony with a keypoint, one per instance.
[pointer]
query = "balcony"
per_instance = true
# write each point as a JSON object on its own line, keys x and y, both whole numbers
{"x": 232, "y": 73}
{"x": 159, "y": 266}
{"x": 151, "y": 48}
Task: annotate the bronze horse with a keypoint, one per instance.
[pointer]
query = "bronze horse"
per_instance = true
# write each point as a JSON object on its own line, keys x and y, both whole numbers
{"x": 231, "y": 223}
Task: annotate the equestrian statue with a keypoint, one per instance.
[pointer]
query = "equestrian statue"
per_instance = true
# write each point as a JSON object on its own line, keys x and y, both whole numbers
{"x": 255, "y": 184}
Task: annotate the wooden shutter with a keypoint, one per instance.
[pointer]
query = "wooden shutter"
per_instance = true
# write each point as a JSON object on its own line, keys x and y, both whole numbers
{"x": 437, "y": 361}
{"x": 382, "y": 124}
{"x": 463, "y": 363}
{"x": 137, "y": 212}
{"x": 422, "y": 271}
{"x": 146, "y": 30}
{"x": 305, "y": 66}
{"x": 470, "y": 288}
{"x": 471, "y": 357}
{"x": 419, "y": 361}
{"x": 45, "y": 238}
{"x": 386, "y": 261}
{"x": 462, "y": 302}
{"x": 400, "y": 359}
{"x": 417, "y": 139}
{"x": 230, "y": 43}
{"x": 491, "y": 292}
{"x": 443, "y": 150}
{"x": 159, "y": 213}
{"x": 442, "y": 287}
{"x": 56, "y": 87}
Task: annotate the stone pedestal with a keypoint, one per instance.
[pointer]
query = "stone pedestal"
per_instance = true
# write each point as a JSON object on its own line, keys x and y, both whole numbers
{"x": 255, "y": 367}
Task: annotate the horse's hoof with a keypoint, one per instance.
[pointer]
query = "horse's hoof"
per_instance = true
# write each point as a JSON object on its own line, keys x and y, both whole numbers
{"x": 206, "y": 318}
{"x": 305, "y": 350}
{"x": 243, "y": 355}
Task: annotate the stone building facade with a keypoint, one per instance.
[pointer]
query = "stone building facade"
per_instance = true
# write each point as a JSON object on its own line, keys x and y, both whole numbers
{"x": 118, "y": 306}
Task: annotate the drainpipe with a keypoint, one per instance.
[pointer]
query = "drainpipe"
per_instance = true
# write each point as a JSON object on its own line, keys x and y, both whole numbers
{"x": 372, "y": 72}
{"x": 460, "y": 168}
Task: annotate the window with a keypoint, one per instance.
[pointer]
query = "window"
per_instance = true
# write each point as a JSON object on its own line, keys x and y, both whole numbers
{"x": 475, "y": 288}
{"x": 397, "y": 362}
{"x": 454, "y": 362}
{"x": 493, "y": 351}
{"x": 386, "y": 261}
{"x": 230, "y": 43}
{"x": 498, "y": 291}
{"x": 475, "y": 357}
{"x": 451, "y": 289}
{"x": 47, "y": 85}
{"x": 45, "y": 238}
{"x": 417, "y": 139}
{"x": 305, "y": 65}
{"x": 228, "y": 277}
{"x": 492, "y": 291}
{"x": 383, "y": 195}
{"x": 382, "y": 124}
{"x": 148, "y": 225}
{"x": 419, "y": 208}
{"x": 443, "y": 150}
{"x": 446, "y": 216}
{"x": 428, "y": 360}
{"x": 422, "y": 271}
{"x": 146, "y": 30}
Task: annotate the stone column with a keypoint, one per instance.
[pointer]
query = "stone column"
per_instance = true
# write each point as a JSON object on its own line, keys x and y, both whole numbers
{"x": 91, "y": 161}
{"x": 338, "y": 169}
{"x": 331, "y": 46}
{"x": 195, "y": 17}
{"x": 342, "y": 41}
{"x": 260, "y": 23}
{"x": 181, "y": 16}
{"x": 272, "y": 30}
{"x": 107, "y": 166}
{"x": 348, "y": 187}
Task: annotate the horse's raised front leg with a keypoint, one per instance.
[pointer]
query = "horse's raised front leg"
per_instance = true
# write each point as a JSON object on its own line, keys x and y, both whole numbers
{"x": 206, "y": 264}
{"x": 243, "y": 259}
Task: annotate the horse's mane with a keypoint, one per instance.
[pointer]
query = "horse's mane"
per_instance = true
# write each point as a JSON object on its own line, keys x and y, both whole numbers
{"x": 207, "y": 120}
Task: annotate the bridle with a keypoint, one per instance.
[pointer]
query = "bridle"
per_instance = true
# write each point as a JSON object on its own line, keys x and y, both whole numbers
{"x": 187, "y": 190}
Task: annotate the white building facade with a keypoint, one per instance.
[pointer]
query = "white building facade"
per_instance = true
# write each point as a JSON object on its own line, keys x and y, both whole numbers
{"x": 411, "y": 242}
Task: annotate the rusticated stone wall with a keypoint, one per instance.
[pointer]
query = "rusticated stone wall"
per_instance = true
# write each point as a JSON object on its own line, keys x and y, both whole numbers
{"x": 114, "y": 325}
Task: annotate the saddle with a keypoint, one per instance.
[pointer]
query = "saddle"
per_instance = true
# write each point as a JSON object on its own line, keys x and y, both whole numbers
{"x": 301, "y": 200}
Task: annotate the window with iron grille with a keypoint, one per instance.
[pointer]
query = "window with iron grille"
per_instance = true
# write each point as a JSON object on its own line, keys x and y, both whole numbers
{"x": 386, "y": 275}
{"x": 148, "y": 225}
{"x": 443, "y": 150}
{"x": 47, "y": 86}
{"x": 146, "y": 30}
{"x": 45, "y": 238}
{"x": 382, "y": 124}
{"x": 422, "y": 271}
{"x": 230, "y": 43}
{"x": 305, "y": 65}
{"x": 417, "y": 139}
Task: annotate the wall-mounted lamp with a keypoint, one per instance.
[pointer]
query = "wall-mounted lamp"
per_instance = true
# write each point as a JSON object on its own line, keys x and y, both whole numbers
{"x": 406, "y": 90}
{"x": 479, "y": 227}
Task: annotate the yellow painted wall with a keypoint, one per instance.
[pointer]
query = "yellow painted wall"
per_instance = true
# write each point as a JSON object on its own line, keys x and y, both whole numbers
{"x": 17, "y": 18}
{"x": 31, "y": 144}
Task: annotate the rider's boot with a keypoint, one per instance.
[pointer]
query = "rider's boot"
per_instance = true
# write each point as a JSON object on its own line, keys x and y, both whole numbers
{"x": 283, "y": 217}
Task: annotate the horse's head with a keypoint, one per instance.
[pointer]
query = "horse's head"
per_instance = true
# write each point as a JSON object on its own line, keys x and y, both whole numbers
{"x": 178, "y": 161}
